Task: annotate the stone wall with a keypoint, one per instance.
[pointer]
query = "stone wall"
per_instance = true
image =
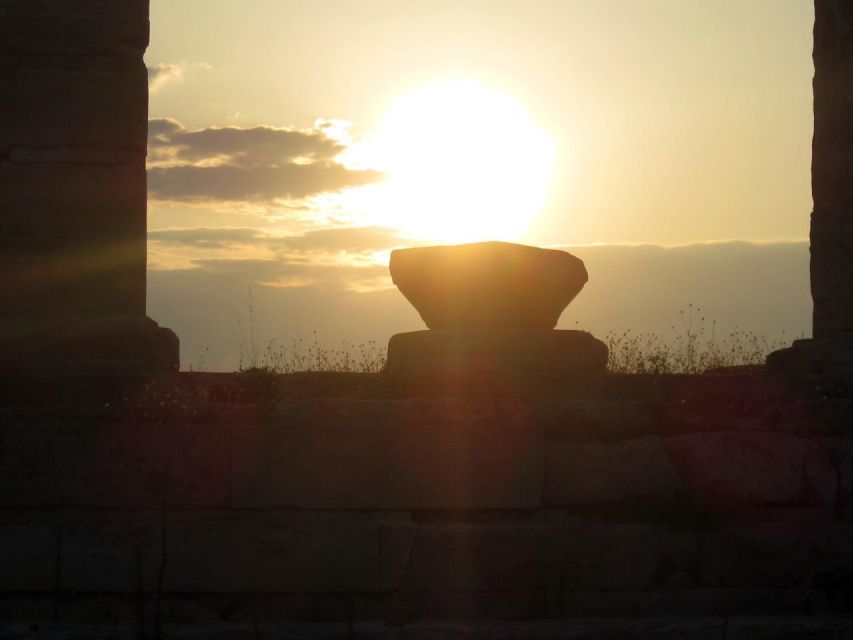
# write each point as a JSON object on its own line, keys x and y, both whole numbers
{"x": 366, "y": 517}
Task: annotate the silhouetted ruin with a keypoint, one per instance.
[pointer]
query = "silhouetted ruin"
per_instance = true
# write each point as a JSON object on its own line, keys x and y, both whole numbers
{"x": 73, "y": 137}
{"x": 200, "y": 505}
{"x": 492, "y": 309}
{"x": 831, "y": 349}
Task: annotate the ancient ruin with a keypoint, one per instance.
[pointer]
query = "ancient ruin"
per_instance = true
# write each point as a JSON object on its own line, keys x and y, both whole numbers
{"x": 192, "y": 505}
{"x": 73, "y": 138}
{"x": 491, "y": 309}
{"x": 831, "y": 349}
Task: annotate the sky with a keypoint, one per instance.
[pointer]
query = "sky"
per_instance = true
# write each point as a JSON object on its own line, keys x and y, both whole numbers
{"x": 293, "y": 144}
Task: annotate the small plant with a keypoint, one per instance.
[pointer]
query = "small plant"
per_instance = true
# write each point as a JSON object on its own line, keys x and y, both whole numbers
{"x": 688, "y": 350}
{"x": 275, "y": 358}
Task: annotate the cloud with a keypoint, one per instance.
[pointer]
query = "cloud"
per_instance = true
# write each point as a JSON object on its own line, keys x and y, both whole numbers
{"x": 206, "y": 238}
{"x": 162, "y": 74}
{"x": 340, "y": 259}
{"x": 348, "y": 239}
{"x": 335, "y": 240}
{"x": 283, "y": 274}
{"x": 256, "y": 165}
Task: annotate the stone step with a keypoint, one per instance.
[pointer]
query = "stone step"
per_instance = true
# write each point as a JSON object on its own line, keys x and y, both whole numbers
{"x": 595, "y": 629}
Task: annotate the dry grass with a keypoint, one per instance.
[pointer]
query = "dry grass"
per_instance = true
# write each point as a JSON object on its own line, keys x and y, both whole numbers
{"x": 693, "y": 347}
{"x": 274, "y": 358}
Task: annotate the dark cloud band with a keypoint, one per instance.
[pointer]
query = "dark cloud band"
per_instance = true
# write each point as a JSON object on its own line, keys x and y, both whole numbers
{"x": 260, "y": 164}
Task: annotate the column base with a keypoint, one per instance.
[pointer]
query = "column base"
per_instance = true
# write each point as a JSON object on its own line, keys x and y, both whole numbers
{"x": 831, "y": 355}
{"x": 493, "y": 361}
{"x": 116, "y": 345}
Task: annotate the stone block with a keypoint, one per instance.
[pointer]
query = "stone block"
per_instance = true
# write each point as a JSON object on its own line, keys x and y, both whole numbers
{"x": 29, "y": 548}
{"x": 27, "y": 608}
{"x": 113, "y": 609}
{"x": 114, "y": 465}
{"x": 778, "y": 555}
{"x": 841, "y": 451}
{"x": 75, "y": 109}
{"x": 824, "y": 417}
{"x": 570, "y": 420}
{"x": 230, "y": 631}
{"x": 82, "y": 28}
{"x": 105, "y": 551}
{"x": 496, "y": 362}
{"x": 271, "y": 551}
{"x": 404, "y": 607}
{"x": 614, "y": 629}
{"x": 754, "y": 469}
{"x": 630, "y": 474}
{"x": 70, "y": 348}
{"x": 788, "y": 628}
{"x": 834, "y": 555}
{"x": 432, "y": 630}
{"x": 681, "y": 603}
{"x": 53, "y": 631}
{"x": 764, "y": 601}
{"x": 83, "y": 204}
{"x": 72, "y": 239}
{"x": 488, "y": 285}
{"x": 482, "y": 556}
{"x": 389, "y": 455}
{"x": 622, "y": 556}
{"x": 397, "y": 533}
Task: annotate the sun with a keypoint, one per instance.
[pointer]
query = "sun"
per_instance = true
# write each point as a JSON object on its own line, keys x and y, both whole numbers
{"x": 465, "y": 163}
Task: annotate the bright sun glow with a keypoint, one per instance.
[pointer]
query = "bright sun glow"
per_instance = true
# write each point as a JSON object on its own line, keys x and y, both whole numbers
{"x": 465, "y": 163}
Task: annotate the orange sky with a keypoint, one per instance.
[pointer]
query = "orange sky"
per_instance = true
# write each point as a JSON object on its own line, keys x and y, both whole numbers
{"x": 664, "y": 122}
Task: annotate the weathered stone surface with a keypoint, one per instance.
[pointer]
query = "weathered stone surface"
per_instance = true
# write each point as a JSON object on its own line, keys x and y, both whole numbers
{"x": 397, "y": 531}
{"x": 110, "y": 552}
{"x": 761, "y": 555}
{"x": 291, "y": 631}
{"x": 841, "y": 451}
{"x": 482, "y": 556}
{"x": 499, "y": 362}
{"x": 233, "y": 551}
{"x": 388, "y": 455}
{"x": 75, "y": 29}
{"x": 622, "y": 556}
{"x": 114, "y": 465}
{"x": 832, "y": 169}
{"x": 829, "y": 355}
{"x": 573, "y": 420}
{"x": 701, "y": 629}
{"x": 123, "y": 347}
{"x": 776, "y": 601}
{"x": 488, "y": 285}
{"x": 631, "y": 474}
{"x": 761, "y": 469}
{"x": 73, "y": 129}
{"x": 74, "y": 109}
{"x": 399, "y": 607}
{"x": 114, "y": 609}
{"x": 814, "y": 628}
{"x": 29, "y": 547}
{"x": 87, "y": 204}
{"x": 23, "y": 607}
{"x": 53, "y": 631}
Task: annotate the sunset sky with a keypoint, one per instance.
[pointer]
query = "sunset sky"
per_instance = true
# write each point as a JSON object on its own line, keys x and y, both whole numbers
{"x": 294, "y": 143}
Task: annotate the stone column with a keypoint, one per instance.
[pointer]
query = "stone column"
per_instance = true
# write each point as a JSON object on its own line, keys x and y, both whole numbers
{"x": 73, "y": 128}
{"x": 832, "y": 169}
{"x": 831, "y": 349}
